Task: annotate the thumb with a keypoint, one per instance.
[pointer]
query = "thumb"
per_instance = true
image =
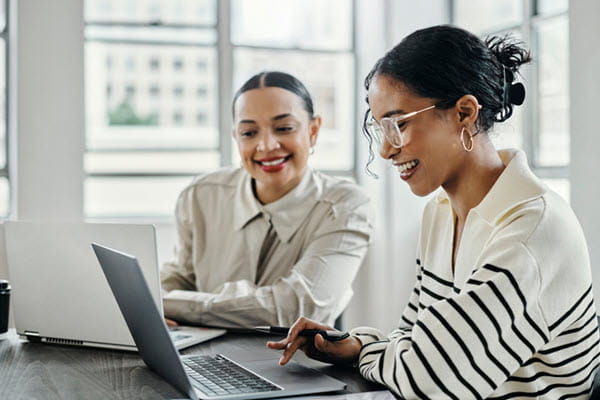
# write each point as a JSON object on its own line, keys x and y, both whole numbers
{"x": 320, "y": 343}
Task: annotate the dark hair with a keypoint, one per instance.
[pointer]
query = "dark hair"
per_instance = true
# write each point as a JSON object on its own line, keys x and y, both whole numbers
{"x": 280, "y": 80}
{"x": 445, "y": 63}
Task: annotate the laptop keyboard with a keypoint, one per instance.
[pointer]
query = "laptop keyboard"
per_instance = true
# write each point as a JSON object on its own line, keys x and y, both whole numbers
{"x": 218, "y": 376}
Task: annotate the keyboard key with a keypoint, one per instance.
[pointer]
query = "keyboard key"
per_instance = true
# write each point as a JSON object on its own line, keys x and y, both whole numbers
{"x": 216, "y": 374}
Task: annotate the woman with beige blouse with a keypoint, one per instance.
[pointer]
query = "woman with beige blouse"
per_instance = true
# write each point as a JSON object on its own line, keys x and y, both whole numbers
{"x": 274, "y": 240}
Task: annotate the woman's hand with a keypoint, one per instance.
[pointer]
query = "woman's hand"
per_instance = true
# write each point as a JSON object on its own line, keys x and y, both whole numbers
{"x": 170, "y": 323}
{"x": 343, "y": 352}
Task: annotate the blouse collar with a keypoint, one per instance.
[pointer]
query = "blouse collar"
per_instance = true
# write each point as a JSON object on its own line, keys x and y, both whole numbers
{"x": 287, "y": 213}
{"x": 515, "y": 186}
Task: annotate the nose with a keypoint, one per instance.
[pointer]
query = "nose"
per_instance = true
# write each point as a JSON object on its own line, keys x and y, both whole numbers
{"x": 267, "y": 142}
{"x": 386, "y": 150}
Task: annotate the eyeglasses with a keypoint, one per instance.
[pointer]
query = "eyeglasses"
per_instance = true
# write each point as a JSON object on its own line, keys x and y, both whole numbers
{"x": 390, "y": 128}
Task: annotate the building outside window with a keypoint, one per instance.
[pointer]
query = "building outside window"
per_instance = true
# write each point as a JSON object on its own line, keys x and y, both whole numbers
{"x": 140, "y": 149}
{"x": 541, "y": 126}
{"x": 162, "y": 124}
{"x": 178, "y": 64}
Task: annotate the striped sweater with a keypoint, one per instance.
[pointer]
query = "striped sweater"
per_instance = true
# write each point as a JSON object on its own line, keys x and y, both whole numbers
{"x": 515, "y": 320}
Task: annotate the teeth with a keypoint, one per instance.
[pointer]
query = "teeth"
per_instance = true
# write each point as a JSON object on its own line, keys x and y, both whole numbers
{"x": 407, "y": 165}
{"x": 274, "y": 162}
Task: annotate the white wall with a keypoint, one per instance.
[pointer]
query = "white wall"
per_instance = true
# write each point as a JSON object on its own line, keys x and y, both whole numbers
{"x": 584, "y": 170}
{"x": 46, "y": 111}
{"x": 47, "y": 173}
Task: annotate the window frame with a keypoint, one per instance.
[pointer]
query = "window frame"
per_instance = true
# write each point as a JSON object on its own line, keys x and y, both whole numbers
{"x": 225, "y": 8}
{"x": 225, "y": 50}
{"x": 5, "y": 171}
{"x": 530, "y": 133}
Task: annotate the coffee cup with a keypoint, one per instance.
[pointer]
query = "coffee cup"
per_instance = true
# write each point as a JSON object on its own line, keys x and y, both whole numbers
{"x": 4, "y": 305}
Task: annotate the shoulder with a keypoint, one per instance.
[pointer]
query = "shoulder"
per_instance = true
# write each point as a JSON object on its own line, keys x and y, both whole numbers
{"x": 341, "y": 205}
{"x": 543, "y": 237}
{"x": 545, "y": 224}
{"x": 556, "y": 238}
{"x": 340, "y": 192}
{"x": 212, "y": 186}
{"x": 226, "y": 177}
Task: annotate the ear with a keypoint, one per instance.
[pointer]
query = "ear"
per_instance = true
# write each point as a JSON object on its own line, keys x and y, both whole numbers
{"x": 315, "y": 125}
{"x": 467, "y": 108}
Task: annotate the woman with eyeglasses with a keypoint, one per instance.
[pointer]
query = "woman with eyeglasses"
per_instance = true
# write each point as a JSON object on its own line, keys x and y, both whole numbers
{"x": 273, "y": 240}
{"x": 503, "y": 305}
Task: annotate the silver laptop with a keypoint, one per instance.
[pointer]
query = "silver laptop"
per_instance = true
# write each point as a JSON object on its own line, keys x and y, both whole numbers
{"x": 213, "y": 376}
{"x": 59, "y": 294}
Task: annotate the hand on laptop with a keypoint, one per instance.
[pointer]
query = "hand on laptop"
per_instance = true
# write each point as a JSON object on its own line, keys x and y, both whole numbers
{"x": 170, "y": 322}
{"x": 342, "y": 352}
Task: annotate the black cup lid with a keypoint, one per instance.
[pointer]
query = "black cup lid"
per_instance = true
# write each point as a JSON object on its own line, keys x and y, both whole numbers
{"x": 3, "y": 284}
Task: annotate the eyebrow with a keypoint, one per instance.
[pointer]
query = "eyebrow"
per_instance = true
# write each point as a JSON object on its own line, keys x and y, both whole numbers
{"x": 275, "y": 118}
{"x": 393, "y": 112}
{"x": 281, "y": 116}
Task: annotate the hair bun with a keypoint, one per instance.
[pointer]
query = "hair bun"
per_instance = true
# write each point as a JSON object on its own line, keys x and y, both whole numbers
{"x": 516, "y": 93}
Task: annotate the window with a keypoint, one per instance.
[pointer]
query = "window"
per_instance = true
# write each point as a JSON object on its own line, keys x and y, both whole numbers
{"x": 177, "y": 118}
{"x": 314, "y": 41}
{"x": 202, "y": 65}
{"x": 130, "y": 63}
{"x": 154, "y": 90}
{"x": 4, "y": 185}
{"x": 174, "y": 66}
{"x": 541, "y": 125}
{"x": 201, "y": 118}
{"x": 154, "y": 63}
{"x": 201, "y": 92}
{"x": 178, "y": 64}
{"x": 129, "y": 91}
{"x": 178, "y": 91}
{"x": 141, "y": 150}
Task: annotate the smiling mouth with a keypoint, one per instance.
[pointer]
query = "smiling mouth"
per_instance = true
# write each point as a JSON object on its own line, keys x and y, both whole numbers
{"x": 407, "y": 165}
{"x": 277, "y": 161}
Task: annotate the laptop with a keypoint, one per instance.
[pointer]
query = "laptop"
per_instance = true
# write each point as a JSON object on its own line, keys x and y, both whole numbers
{"x": 60, "y": 296}
{"x": 214, "y": 376}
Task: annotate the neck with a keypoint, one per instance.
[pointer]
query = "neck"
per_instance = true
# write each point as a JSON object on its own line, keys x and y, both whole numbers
{"x": 477, "y": 175}
{"x": 269, "y": 193}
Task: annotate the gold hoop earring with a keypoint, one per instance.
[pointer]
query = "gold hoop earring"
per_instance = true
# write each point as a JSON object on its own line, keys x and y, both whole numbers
{"x": 462, "y": 139}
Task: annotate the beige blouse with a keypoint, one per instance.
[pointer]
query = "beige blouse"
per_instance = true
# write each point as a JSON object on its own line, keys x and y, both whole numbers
{"x": 230, "y": 269}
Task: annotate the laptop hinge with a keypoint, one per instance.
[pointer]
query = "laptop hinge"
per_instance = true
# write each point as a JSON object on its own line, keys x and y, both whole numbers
{"x": 32, "y": 336}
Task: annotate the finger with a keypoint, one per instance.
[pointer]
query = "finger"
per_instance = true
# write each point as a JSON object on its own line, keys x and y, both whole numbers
{"x": 295, "y": 329}
{"x": 170, "y": 322}
{"x": 279, "y": 345}
{"x": 291, "y": 349}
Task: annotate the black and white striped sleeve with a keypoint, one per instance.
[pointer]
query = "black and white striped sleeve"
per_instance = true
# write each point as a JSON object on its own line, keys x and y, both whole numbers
{"x": 465, "y": 345}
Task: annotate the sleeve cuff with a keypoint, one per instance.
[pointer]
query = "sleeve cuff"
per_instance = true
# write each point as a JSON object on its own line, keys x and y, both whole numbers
{"x": 185, "y": 305}
{"x": 367, "y": 335}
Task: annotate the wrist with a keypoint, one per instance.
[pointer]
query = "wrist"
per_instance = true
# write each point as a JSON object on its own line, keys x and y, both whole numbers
{"x": 356, "y": 346}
